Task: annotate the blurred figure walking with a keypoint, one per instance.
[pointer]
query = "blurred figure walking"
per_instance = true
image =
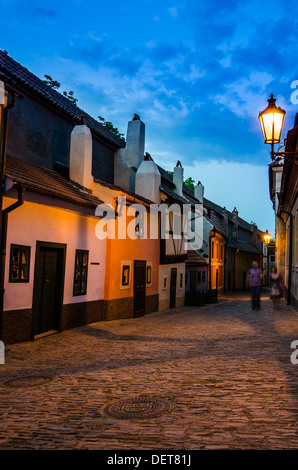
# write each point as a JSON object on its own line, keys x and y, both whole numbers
{"x": 276, "y": 286}
{"x": 255, "y": 276}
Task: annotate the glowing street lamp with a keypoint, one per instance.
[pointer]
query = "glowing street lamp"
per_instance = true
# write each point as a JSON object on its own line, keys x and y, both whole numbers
{"x": 267, "y": 237}
{"x": 272, "y": 119}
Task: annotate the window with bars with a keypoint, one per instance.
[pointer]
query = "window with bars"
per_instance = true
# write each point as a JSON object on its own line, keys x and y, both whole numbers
{"x": 19, "y": 263}
{"x": 81, "y": 271}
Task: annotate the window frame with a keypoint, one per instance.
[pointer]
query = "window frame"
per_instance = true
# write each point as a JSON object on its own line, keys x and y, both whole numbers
{"x": 26, "y": 248}
{"x": 81, "y": 266}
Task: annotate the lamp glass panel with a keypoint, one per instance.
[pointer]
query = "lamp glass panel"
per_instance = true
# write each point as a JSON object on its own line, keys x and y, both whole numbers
{"x": 278, "y": 123}
{"x": 267, "y": 128}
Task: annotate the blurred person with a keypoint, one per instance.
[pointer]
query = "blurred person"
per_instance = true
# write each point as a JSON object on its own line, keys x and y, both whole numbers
{"x": 276, "y": 286}
{"x": 255, "y": 276}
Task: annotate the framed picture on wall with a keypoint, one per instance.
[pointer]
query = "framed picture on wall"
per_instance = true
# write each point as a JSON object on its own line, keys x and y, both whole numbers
{"x": 125, "y": 274}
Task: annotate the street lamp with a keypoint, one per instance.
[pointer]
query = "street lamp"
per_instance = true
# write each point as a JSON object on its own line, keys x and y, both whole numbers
{"x": 272, "y": 119}
{"x": 267, "y": 237}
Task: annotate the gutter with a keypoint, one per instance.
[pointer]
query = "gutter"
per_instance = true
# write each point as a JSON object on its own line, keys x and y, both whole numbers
{"x": 4, "y": 213}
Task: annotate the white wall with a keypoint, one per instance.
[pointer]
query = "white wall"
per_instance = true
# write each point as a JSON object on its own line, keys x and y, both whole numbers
{"x": 32, "y": 222}
{"x": 164, "y": 293}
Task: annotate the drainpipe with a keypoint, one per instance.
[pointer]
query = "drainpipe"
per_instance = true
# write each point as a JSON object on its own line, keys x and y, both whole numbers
{"x": 290, "y": 255}
{"x": 210, "y": 257}
{"x": 4, "y": 146}
{"x": 5, "y": 212}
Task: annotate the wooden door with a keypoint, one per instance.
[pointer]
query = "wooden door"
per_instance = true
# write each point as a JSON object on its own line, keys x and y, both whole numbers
{"x": 48, "y": 287}
{"x": 173, "y": 287}
{"x": 139, "y": 288}
{"x": 193, "y": 281}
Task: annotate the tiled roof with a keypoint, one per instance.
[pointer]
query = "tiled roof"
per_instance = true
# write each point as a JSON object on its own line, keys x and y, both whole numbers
{"x": 215, "y": 220}
{"x": 12, "y": 71}
{"x": 244, "y": 246}
{"x": 215, "y": 210}
{"x": 194, "y": 259}
{"x": 48, "y": 182}
{"x": 173, "y": 195}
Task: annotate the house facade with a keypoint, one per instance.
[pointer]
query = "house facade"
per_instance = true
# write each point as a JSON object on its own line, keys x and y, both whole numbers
{"x": 283, "y": 186}
{"x": 61, "y": 165}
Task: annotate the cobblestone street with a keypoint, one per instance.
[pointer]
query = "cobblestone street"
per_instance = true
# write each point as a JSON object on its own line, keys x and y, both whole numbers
{"x": 225, "y": 370}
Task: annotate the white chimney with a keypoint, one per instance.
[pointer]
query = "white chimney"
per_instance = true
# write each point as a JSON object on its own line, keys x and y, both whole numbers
{"x": 135, "y": 142}
{"x": 128, "y": 159}
{"x": 225, "y": 220}
{"x": 178, "y": 178}
{"x": 235, "y": 221}
{"x": 148, "y": 180}
{"x": 80, "y": 162}
{"x": 199, "y": 192}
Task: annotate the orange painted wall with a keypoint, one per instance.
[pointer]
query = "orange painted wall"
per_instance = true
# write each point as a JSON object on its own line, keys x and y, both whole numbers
{"x": 217, "y": 261}
{"x": 118, "y": 250}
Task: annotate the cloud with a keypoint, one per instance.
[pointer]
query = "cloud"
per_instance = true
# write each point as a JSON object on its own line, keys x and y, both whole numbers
{"x": 173, "y": 11}
{"x": 32, "y": 9}
{"x": 245, "y": 94}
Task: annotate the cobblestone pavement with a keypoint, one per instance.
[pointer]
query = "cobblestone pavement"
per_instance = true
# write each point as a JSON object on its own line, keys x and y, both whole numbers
{"x": 225, "y": 369}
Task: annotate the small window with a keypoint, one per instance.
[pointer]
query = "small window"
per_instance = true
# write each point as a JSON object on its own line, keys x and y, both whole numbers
{"x": 217, "y": 250}
{"x": 125, "y": 275}
{"x": 81, "y": 271}
{"x": 212, "y": 249}
{"x": 199, "y": 277}
{"x": 19, "y": 263}
{"x": 221, "y": 252}
{"x": 181, "y": 280}
{"x": 149, "y": 274}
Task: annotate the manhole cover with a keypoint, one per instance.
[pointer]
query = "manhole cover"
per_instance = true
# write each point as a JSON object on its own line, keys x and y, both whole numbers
{"x": 30, "y": 381}
{"x": 139, "y": 407}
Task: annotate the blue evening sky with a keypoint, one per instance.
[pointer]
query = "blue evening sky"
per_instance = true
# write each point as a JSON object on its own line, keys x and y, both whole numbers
{"x": 197, "y": 72}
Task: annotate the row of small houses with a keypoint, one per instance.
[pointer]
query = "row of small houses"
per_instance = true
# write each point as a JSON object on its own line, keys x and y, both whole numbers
{"x": 68, "y": 180}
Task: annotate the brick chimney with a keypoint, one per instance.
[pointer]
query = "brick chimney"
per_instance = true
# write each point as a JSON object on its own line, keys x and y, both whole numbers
{"x": 178, "y": 178}
{"x": 80, "y": 160}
